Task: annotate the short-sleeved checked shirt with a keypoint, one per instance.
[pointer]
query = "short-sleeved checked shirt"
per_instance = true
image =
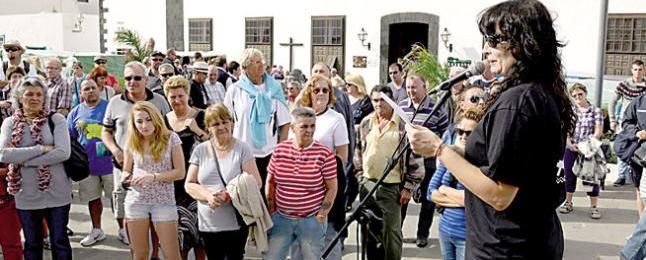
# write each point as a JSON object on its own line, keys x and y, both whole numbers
{"x": 59, "y": 94}
{"x": 586, "y": 120}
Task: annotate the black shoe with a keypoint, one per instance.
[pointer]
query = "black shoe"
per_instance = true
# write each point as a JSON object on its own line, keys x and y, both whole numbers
{"x": 619, "y": 182}
{"x": 70, "y": 232}
{"x": 421, "y": 242}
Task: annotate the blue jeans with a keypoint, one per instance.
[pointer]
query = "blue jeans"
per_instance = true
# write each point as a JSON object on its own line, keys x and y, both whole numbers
{"x": 32, "y": 228}
{"x": 623, "y": 170}
{"x": 308, "y": 232}
{"x": 452, "y": 247}
{"x": 635, "y": 247}
{"x": 335, "y": 254}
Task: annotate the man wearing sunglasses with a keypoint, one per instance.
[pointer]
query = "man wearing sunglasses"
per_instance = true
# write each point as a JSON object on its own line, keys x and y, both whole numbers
{"x": 397, "y": 82}
{"x": 14, "y": 51}
{"x": 102, "y": 61}
{"x": 420, "y": 104}
{"x": 154, "y": 76}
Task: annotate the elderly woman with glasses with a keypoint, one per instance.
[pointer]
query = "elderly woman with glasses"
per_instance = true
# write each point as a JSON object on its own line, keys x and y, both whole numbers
{"x": 36, "y": 177}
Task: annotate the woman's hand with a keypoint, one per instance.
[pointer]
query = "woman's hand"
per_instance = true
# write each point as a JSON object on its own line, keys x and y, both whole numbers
{"x": 217, "y": 199}
{"x": 143, "y": 179}
{"x": 422, "y": 140}
{"x": 5, "y": 104}
{"x": 573, "y": 148}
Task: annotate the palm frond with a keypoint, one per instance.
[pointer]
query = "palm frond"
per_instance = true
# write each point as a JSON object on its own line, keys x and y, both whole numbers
{"x": 131, "y": 38}
{"x": 422, "y": 62}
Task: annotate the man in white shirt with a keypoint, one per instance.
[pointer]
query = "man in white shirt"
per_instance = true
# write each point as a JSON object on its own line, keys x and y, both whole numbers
{"x": 214, "y": 88}
{"x": 14, "y": 51}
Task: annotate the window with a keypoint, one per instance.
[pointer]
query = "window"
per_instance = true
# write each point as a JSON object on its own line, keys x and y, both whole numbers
{"x": 328, "y": 41}
{"x": 625, "y": 42}
{"x": 200, "y": 34}
{"x": 259, "y": 34}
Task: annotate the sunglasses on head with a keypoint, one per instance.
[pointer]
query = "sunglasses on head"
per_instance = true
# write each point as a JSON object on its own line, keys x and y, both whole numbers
{"x": 135, "y": 78}
{"x": 319, "y": 90}
{"x": 11, "y": 49}
{"x": 494, "y": 40}
{"x": 166, "y": 75}
{"x": 462, "y": 132}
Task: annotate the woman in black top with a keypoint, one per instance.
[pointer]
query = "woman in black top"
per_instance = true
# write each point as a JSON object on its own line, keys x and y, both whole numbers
{"x": 509, "y": 163}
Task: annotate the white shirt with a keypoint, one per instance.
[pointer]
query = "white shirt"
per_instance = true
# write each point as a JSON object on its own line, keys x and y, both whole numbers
{"x": 32, "y": 69}
{"x": 331, "y": 130}
{"x": 215, "y": 91}
{"x": 239, "y": 104}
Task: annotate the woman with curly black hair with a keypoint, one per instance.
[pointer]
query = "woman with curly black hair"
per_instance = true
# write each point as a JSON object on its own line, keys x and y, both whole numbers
{"x": 508, "y": 166}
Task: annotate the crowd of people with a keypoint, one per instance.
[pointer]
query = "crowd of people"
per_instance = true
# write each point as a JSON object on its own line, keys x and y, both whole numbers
{"x": 210, "y": 156}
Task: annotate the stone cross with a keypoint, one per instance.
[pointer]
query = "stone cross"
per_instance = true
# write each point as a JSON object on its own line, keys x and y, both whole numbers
{"x": 291, "y": 45}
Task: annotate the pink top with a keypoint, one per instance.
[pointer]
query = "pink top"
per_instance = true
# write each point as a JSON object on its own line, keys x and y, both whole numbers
{"x": 157, "y": 192}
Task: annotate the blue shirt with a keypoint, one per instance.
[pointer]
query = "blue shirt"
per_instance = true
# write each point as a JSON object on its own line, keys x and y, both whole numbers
{"x": 85, "y": 124}
{"x": 452, "y": 220}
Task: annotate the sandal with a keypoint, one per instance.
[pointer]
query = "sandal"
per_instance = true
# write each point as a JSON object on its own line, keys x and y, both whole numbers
{"x": 594, "y": 212}
{"x": 567, "y": 207}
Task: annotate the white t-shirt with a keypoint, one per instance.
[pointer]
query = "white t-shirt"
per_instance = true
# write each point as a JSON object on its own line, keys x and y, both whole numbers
{"x": 331, "y": 130}
{"x": 32, "y": 69}
{"x": 239, "y": 104}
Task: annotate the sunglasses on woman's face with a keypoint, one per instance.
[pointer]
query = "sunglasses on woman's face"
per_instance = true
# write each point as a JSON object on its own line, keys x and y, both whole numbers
{"x": 461, "y": 132}
{"x": 494, "y": 40}
{"x": 475, "y": 99}
{"x": 319, "y": 90}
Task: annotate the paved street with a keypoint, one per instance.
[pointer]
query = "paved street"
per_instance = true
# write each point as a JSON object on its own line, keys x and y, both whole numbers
{"x": 585, "y": 238}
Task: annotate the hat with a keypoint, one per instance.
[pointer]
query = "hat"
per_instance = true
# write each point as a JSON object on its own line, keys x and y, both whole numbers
{"x": 201, "y": 66}
{"x": 100, "y": 57}
{"x": 157, "y": 53}
{"x": 14, "y": 43}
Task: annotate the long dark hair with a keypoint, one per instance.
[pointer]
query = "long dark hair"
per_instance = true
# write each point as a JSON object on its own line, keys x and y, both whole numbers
{"x": 528, "y": 26}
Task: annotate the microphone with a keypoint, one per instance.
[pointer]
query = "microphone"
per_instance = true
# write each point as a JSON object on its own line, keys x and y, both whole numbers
{"x": 475, "y": 69}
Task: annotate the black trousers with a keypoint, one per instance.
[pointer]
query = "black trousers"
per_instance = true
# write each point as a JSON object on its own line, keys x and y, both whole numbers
{"x": 263, "y": 164}
{"x": 226, "y": 244}
{"x": 428, "y": 207}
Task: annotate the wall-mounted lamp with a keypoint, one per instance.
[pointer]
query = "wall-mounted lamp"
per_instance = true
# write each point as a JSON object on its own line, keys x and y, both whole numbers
{"x": 78, "y": 25}
{"x": 362, "y": 37}
{"x": 445, "y": 36}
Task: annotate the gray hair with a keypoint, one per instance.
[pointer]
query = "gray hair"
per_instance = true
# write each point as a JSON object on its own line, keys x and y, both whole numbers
{"x": 166, "y": 66}
{"x": 247, "y": 54}
{"x": 302, "y": 112}
{"x": 19, "y": 91}
{"x": 136, "y": 64}
{"x": 54, "y": 58}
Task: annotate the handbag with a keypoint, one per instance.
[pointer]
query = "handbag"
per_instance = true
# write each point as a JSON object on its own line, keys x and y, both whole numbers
{"x": 639, "y": 156}
{"x": 77, "y": 166}
{"x": 241, "y": 222}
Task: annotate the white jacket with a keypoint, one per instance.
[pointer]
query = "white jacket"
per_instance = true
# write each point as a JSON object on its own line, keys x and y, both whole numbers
{"x": 246, "y": 198}
{"x": 590, "y": 165}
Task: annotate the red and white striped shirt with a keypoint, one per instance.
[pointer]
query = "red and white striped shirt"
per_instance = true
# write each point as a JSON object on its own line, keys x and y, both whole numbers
{"x": 299, "y": 175}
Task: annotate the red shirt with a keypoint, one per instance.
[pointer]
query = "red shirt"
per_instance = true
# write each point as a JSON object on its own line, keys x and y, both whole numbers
{"x": 300, "y": 175}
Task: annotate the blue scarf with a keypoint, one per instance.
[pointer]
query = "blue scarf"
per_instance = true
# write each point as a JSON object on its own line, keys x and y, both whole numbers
{"x": 261, "y": 105}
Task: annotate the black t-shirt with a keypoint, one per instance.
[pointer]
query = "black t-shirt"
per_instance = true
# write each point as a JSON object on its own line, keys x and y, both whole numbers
{"x": 518, "y": 142}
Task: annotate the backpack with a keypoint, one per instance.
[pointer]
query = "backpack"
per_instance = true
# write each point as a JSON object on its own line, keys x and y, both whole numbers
{"x": 77, "y": 166}
{"x": 25, "y": 64}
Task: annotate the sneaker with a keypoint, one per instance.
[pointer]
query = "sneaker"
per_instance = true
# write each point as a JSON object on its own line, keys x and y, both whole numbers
{"x": 619, "y": 182}
{"x": 421, "y": 242}
{"x": 46, "y": 244}
{"x": 69, "y": 231}
{"x": 594, "y": 212}
{"x": 566, "y": 208}
{"x": 123, "y": 237}
{"x": 95, "y": 236}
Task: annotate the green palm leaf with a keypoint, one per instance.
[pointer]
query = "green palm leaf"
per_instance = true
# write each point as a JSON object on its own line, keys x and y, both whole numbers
{"x": 420, "y": 61}
{"x": 132, "y": 39}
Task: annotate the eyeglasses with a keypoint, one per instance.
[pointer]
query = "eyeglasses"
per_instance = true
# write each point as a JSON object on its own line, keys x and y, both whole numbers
{"x": 157, "y": 59}
{"x": 494, "y": 40}
{"x": 319, "y": 90}
{"x": 135, "y": 78}
{"x": 476, "y": 99}
{"x": 577, "y": 95}
{"x": 463, "y": 132}
{"x": 12, "y": 49}
{"x": 166, "y": 75}
{"x": 99, "y": 62}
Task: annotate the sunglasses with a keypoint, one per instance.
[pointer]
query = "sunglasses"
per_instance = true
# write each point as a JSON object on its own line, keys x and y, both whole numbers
{"x": 100, "y": 62}
{"x": 319, "y": 90}
{"x": 476, "y": 99}
{"x": 462, "y": 132}
{"x": 377, "y": 100}
{"x": 494, "y": 40}
{"x": 12, "y": 49}
{"x": 135, "y": 78}
{"x": 577, "y": 95}
{"x": 166, "y": 75}
{"x": 158, "y": 59}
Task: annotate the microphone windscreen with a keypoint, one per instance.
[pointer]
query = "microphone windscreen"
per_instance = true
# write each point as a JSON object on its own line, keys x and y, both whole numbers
{"x": 477, "y": 68}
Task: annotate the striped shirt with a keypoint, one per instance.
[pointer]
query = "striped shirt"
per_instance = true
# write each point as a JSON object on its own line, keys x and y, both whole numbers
{"x": 438, "y": 122}
{"x": 452, "y": 220}
{"x": 59, "y": 94}
{"x": 299, "y": 175}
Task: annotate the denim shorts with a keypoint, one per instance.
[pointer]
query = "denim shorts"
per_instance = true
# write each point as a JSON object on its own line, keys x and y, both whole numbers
{"x": 156, "y": 212}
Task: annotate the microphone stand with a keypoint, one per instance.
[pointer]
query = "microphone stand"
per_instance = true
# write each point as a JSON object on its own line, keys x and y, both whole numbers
{"x": 392, "y": 162}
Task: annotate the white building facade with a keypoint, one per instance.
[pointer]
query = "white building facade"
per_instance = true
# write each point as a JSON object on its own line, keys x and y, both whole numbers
{"x": 330, "y": 29}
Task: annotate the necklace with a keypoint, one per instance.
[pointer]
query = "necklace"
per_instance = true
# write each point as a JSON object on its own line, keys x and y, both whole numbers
{"x": 223, "y": 148}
